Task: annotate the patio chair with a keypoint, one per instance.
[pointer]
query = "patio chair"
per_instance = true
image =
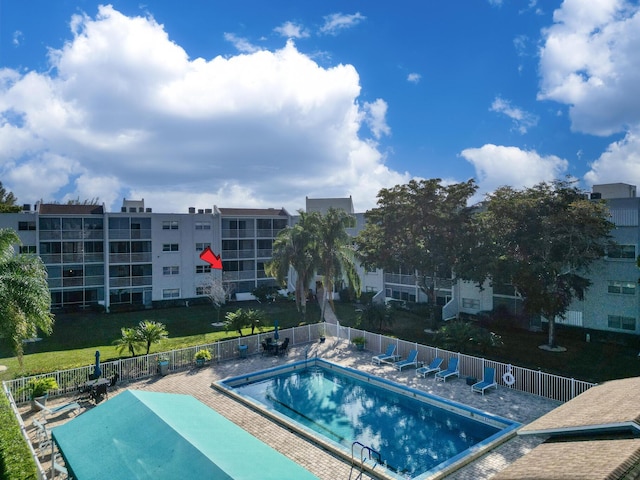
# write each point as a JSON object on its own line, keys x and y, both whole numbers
{"x": 433, "y": 367}
{"x": 452, "y": 370}
{"x": 284, "y": 348}
{"x": 411, "y": 360}
{"x": 42, "y": 436}
{"x": 59, "y": 410}
{"x": 488, "y": 381}
{"x": 388, "y": 356}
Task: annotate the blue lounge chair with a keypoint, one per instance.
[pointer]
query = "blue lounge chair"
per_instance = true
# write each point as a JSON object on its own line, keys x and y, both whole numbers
{"x": 411, "y": 360}
{"x": 488, "y": 381}
{"x": 58, "y": 410}
{"x": 388, "y": 356}
{"x": 434, "y": 366}
{"x": 452, "y": 369}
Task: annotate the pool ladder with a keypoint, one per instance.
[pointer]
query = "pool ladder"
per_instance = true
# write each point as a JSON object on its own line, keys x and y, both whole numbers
{"x": 366, "y": 454}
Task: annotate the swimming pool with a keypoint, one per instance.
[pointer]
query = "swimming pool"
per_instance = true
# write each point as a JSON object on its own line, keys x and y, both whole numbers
{"x": 417, "y": 434}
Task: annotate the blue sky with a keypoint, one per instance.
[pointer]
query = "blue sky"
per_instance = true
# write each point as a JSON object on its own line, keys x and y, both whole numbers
{"x": 234, "y": 104}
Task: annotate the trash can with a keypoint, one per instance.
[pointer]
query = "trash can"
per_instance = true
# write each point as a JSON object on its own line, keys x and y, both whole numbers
{"x": 242, "y": 351}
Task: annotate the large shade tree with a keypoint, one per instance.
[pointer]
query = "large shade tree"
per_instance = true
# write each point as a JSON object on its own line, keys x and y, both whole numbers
{"x": 419, "y": 227}
{"x": 25, "y": 301}
{"x": 295, "y": 247}
{"x": 542, "y": 240}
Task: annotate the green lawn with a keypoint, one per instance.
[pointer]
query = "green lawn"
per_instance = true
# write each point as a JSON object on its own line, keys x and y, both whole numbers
{"x": 76, "y": 337}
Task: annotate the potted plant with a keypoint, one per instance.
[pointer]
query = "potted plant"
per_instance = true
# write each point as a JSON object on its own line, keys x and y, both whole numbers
{"x": 38, "y": 389}
{"x": 163, "y": 364}
{"x": 201, "y": 357}
{"x": 359, "y": 342}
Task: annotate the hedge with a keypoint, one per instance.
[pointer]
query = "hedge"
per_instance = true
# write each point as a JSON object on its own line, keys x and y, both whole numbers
{"x": 16, "y": 462}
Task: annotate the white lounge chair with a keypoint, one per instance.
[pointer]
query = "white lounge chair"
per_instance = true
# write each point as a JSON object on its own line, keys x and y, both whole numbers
{"x": 488, "y": 381}
{"x": 388, "y": 357}
{"x": 452, "y": 370}
{"x": 58, "y": 410}
{"x": 410, "y": 361}
{"x": 433, "y": 367}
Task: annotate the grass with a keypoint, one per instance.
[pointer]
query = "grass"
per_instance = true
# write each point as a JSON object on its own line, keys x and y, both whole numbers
{"x": 76, "y": 337}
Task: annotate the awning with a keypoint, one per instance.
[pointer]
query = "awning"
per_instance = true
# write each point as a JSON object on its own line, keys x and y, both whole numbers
{"x": 140, "y": 434}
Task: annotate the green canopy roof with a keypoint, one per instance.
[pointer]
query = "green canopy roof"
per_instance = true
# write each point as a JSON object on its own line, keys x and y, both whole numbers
{"x": 139, "y": 434}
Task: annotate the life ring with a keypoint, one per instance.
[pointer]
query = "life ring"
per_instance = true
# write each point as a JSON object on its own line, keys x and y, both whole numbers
{"x": 508, "y": 378}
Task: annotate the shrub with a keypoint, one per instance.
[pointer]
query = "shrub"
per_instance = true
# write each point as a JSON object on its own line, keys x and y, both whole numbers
{"x": 203, "y": 355}
{"x": 15, "y": 456}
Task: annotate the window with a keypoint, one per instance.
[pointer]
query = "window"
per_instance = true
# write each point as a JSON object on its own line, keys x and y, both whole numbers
{"x": 171, "y": 270}
{"x": 621, "y": 251}
{"x": 26, "y": 225}
{"x": 170, "y": 247}
{"x": 170, "y": 293}
{"x": 203, "y": 268}
{"x": 170, "y": 225}
{"x": 625, "y": 288}
{"x": 201, "y": 246}
{"x": 471, "y": 303}
{"x": 203, "y": 290}
{"x": 203, "y": 226}
{"x": 622, "y": 323}
{"x": 27, "y": 249}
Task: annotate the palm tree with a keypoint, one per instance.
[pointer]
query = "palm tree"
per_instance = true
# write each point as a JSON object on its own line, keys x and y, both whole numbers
{"x": 25, "y": 301}
{"x": 336, "y": 253}
{"x": 151, "y": 332}
{"x": 295, "y": 248}
{"x": 130, "y": 340}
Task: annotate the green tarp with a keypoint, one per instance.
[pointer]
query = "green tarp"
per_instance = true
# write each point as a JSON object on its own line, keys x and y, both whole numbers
{"x": 151, "y": 435}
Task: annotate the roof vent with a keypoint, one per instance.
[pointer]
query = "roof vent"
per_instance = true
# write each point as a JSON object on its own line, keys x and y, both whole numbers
{"x": 192, "y": 209}
{"x": 208, "y": 210}
{"x": 200, "y": 210}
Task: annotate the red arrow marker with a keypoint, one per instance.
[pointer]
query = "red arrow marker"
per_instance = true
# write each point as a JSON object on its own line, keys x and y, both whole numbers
{"x": 211, "y": 258}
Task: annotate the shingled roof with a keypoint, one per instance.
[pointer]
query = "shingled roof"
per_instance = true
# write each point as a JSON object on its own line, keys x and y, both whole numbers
{"x": 595, "y": 436}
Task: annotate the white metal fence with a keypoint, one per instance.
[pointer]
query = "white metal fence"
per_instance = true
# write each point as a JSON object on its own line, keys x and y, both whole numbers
{"x": 532, "y": 381}
{"x": 510, "y": 376}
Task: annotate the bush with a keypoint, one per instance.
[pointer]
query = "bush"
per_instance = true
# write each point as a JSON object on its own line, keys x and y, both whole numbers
{"x": 15, "y": 456}
{"x": 203, "y": 355}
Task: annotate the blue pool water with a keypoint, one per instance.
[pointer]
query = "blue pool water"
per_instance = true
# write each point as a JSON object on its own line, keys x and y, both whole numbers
{"x": 413, "y": 436}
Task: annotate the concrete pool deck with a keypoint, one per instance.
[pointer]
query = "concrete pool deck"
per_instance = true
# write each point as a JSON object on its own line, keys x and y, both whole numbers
{"x": 514, "y": 405}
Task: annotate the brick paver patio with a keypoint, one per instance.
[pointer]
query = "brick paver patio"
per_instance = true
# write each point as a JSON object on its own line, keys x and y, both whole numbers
{"x": 504, "y": 402}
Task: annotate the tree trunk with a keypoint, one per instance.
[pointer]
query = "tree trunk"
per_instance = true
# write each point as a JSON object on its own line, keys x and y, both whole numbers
{"x": 552, "y": 331}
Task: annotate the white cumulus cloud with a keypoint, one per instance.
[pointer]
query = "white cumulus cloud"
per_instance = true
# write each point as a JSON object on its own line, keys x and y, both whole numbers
{"x": 124, "y": 112}
{"x": 590, "y": 61}
{"x": 497, "y": 165}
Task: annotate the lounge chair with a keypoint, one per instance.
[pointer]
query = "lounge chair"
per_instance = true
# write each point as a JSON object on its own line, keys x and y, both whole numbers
{"x": 388, "y": 356}
{"x": 411, "y": 360}
{"x": 488, "y": 381}
{"x": 59, "y": 410}
{"x": 452, "y": 369}
{"x": 433, "y": 367}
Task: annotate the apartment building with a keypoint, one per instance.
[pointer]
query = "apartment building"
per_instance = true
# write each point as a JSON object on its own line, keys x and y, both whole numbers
{"x": 137, "y": 257}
